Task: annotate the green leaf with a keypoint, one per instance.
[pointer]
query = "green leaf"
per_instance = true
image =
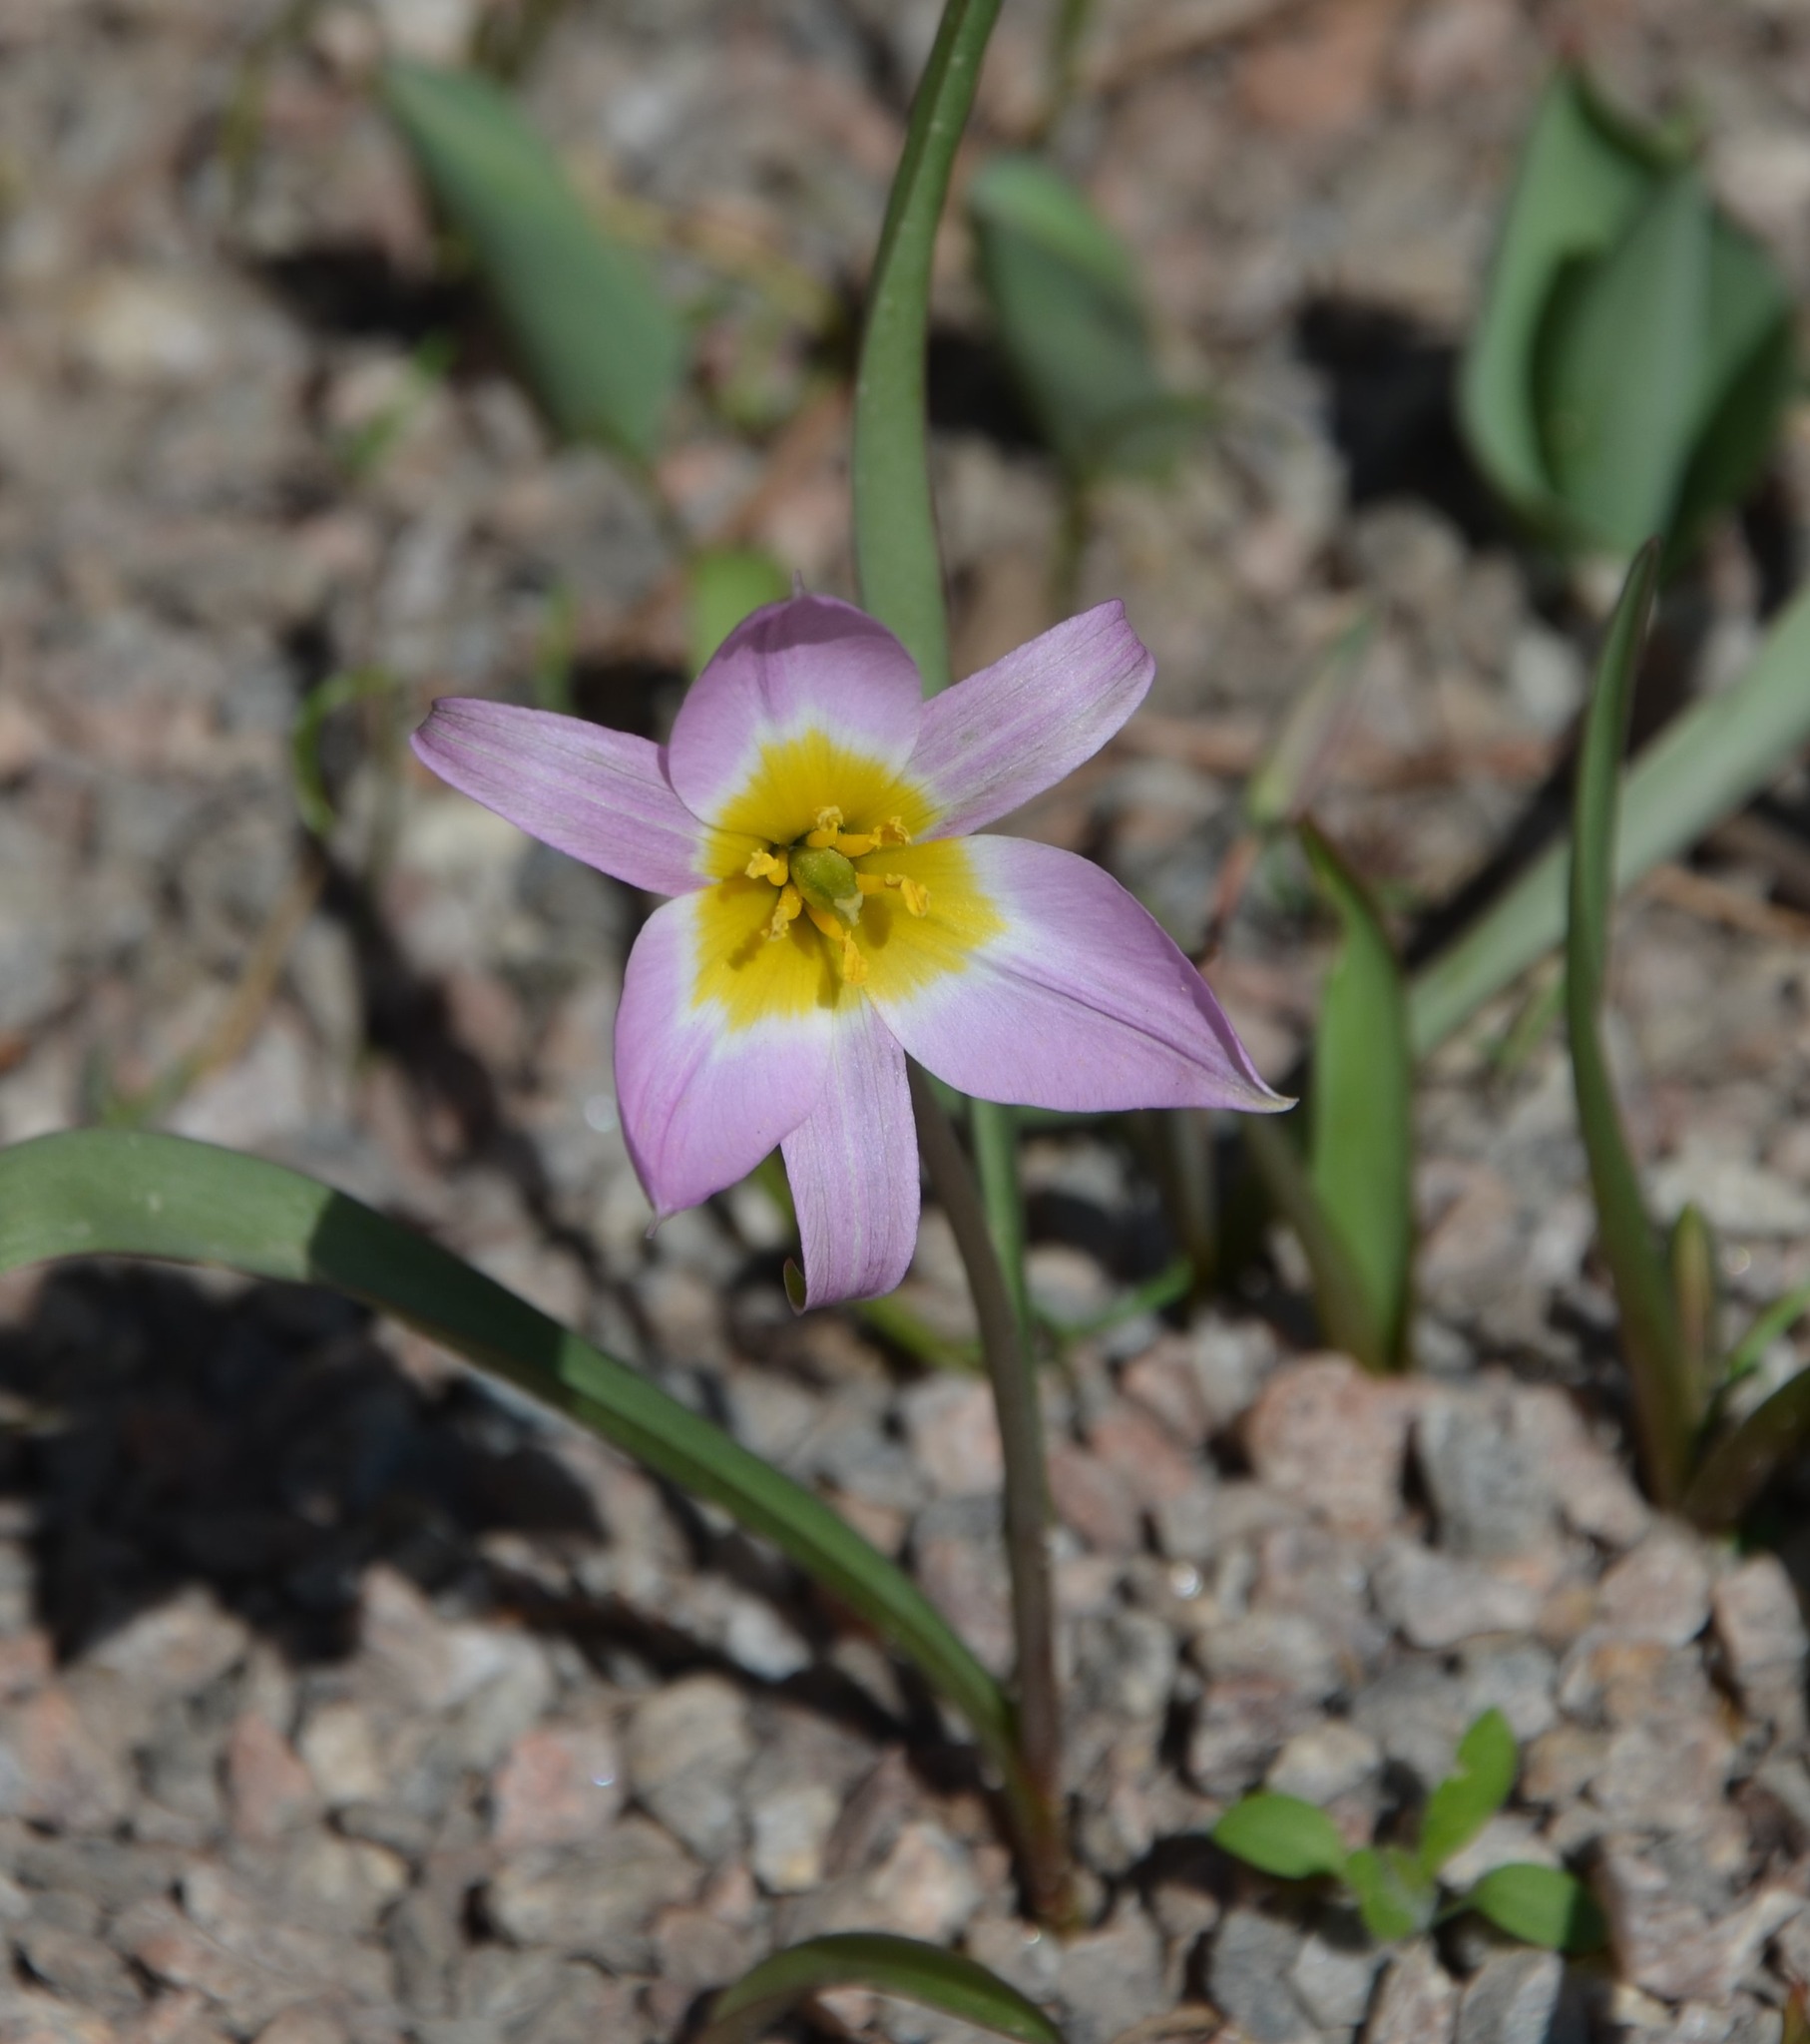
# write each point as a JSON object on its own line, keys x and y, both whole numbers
{"x": 1468, "y": 1798}
{"x": 1070, "y": 314}
{"x": 1539, "y": 1905}
{"x": 896, "y": 558}
{"x": 1341, "y": 1297}
{"x": 1734, "y": 1472}
{"x": 1665, "y": 1401}
{"x": 601, "y": 348}
{"x": 1778, "y": 1319}
{"x": 102, "y": 1192}
{"x": 339, "y": 691}
{"x": 1393, "y": 1898}
{"x": 1619, "y": 367}
{"x": 1582, "y": 175}
{"x": 1290, "y": 775}
{"x": 1361, "y": 1104}
{"x": 722, "y": 585}
{"x": 1282, "y": 1834}
{"x": 922, "y": 1973}
{"x": 1695, "y": 1296}
{"x": 1706, "y": 764}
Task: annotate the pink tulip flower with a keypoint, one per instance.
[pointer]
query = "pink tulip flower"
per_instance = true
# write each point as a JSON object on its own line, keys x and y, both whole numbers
{"x": 833, "y": 915}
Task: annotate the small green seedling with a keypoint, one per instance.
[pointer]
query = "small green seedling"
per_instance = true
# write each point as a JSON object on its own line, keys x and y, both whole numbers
{"x": 1398, "y": 1890}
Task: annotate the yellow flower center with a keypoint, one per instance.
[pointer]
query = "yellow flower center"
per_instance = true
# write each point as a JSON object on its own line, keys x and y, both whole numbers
{"x": 809, "y": 909}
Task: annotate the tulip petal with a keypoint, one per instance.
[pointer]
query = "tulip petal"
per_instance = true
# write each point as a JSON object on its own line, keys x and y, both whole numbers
{"x": 601, "y": 795}
{"x": 702, "y": 1102}
{"x": 810, "y": 665}
{"x": 1018, "y": 727}
{"x": 853, "y": 1167}
{"x": 1079, "y": 1001}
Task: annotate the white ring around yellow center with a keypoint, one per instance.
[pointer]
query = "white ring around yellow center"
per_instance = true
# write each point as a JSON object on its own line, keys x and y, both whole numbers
{"x": 750, "y": 976}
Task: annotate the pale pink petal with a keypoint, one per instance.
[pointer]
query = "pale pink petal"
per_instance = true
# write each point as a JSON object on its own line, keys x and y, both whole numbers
{"x": 853, "y": 1167}
{"x": 991, "y": 742}
{"x": 701, "y": 1104}
{"x": 809, "y": 664}
{"x": 603, "y": 796}
{"x": 1080, "y": 1002}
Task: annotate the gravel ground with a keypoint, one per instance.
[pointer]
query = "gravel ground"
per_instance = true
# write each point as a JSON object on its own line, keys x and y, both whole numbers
{"x": 347, "y": 1699}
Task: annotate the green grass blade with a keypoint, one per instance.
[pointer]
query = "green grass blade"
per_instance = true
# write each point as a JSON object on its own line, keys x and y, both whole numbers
{"x": 1703, "y": 766}
{"x": 1282, "y": 1834}
{"x": 1361, "y": 1102}
{"x": 1340, "y": 1296}
{"x": 896, "y": 555}
{"x": 1665, "y": 1407}
{"x": 1070, "y": 308}
{"x": 1580, "y": 179}
{"x": 105, "y": 1193}
{"x": 1778, "y": 1319}
{"x": 602, "y": 349}
{"x": 1472, "y": 1794}
{"x": 1739, "y": 1468}
{"x": 1620, "y": 369}
{"x": 924, "y": 1973}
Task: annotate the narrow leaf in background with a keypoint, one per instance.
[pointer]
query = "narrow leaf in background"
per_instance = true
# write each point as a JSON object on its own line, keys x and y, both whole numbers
{"x": 1665, "y": 1402}
{"x": 722, "y": 585}
{"x": 1360, "y": 1103}
{"x": 1071, "y": 314}
{"x": 924, "y": 1973}
{"x": 102, "y": 1192}
{"x": 602, "y": 350}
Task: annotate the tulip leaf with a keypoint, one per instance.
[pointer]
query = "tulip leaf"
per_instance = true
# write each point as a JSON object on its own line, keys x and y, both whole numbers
{"x": 1619, "y": 367}
{"x": 1541, "y": 1905}
{"x": 1361, "y": 1104}
{"x": 1734, "y": 1472}
{"x": 1702, "y": 766}
{"x": 1282, "y": 1834}
{"x": 1778, "y": 1319}
{"x": 722, "y": 585}
{"x": 1072, "y": 320}
{"x": 1690, "y": 1259}
{"x": 1583, "y": 175}
{"x": 896, "y": 558}
{"x": 1393, "y": 1898}
{"x": 1665, "y": 1401}
{"x": 1341, "y": 1296}
{"x": 903, "y": 1966}
{"x": 1470, "y": 1795}
{"x": 107, "y": 1193}
{"x": 601, "y": 348}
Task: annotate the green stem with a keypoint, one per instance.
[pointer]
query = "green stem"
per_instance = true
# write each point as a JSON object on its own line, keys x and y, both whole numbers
{"x": 993, "y": 1130}
{"x": 1027, "y": 1503}
{"x": 895, "y": 525}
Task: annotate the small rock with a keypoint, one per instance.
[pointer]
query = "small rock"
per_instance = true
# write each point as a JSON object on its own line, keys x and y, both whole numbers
{"x": 956, "y": 1552}
{"x": 342, "y": 1751}
{"x": 1667, "y": 1944}
{"x": 687, "y": 1750}
{"x": 1659, "y": 1592}
{"x": 1504, "y": 1842}
{"x": 1760, "y": 1628}
{"x": 175, "y": 1650}
{"x": 1282, "y": 1646}
{"x": 925, "y": 1887}
{"x": 1093, "y": 1498}
{"x": 1238, "y": 1729}
{"x": 1664, "y": 1775}
{"x": 1335, "y": 1973}
{"x": 954, "y": 1433}
{"x": 54, "y": 1771}
{"x": 304, "y": 2025}
{"x": 1417, "y": 1713}
{"x": 1417, "y": 2002}
{"x": 1325, "y": 1762}
{"x": 1110, "y": 1978}
{"x": 1249, "y": 1974}
{"x": 791, "y": 1827}
{"x": 1487, "y": 1488}
{"x": 1130, "y": 1440}
{"x": 1519, "y": 1679}
{"x": 558, "y": 1786}
{"x": 268, "y": 1788}
{"x": 1518, "y": 1998}
{"x": 595, "y": 1903}
{"x": 1434, "y": 1601}
{"x": 1327, "y": 1434}
{"x": 1594, "y": 1491}
{"x": 1163, "y": 1381}
{"x": 91, "y": 1973}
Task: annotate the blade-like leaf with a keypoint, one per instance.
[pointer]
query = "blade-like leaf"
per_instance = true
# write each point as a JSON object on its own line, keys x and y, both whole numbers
{"x": 722, "y": 586}
{"x": 1064, "y": 292}
{"x": 1469, "y": 1797}
{"x": 1582, "y": 177}
{"x": 1695, "y": 1297}
{"x": 1541, "y": 1905}
{"x": 601, "y": 348}
{"x": 1361, "y": 1103}
{"x": 1705, "y": 764}
{"x": 1393, "y": 1898}
{"x": 1737, "y": 1468}
{"x": 1619, "y": 367}
{"x": 1665, "y": 1405}
{"x": 1778, "y": 1319}
{"x": 1341, "y": 1297}
{"x": 896, "y": 558}
{"x": 924, "y": 1973}
{"x": 102, "y": 1192}
{"x": 1282, "y": 1834}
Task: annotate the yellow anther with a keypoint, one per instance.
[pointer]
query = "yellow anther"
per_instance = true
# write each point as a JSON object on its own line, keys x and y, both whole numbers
{"x": 892, "y": 832}
{"x": 916, "y": 894}
{"x": 825, "y": 827}
{"x": 769, "y": 865}
{"x": 786, "y": 910}
{"x": 828, "y": 818}
{"x": 854, "y": 966}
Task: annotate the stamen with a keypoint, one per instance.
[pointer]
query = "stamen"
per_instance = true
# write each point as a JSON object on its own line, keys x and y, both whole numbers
{"x": 769, "y": 865}
{"x": 854, "y": 966}
{"x": 787, "y": 911}
{"x": 917, "y": 895}
{"x": 823, "y": 838}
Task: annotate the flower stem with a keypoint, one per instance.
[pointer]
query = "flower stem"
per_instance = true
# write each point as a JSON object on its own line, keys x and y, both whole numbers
{"x": 993, "y": 1130}
{"x": 1027, "y": 1504}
